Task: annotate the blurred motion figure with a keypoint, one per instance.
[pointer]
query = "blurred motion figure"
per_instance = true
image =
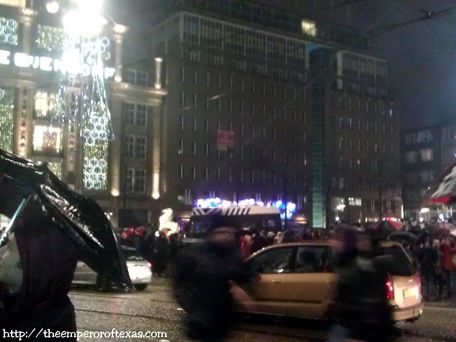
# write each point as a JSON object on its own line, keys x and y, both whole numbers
{"x": 204, "y": 274}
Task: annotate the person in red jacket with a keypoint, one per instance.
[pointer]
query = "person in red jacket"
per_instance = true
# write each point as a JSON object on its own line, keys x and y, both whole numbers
{"x": 449, "y": 268}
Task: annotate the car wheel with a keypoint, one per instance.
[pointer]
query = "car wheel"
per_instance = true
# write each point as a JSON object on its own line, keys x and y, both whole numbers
{"x": 140, "y": 287}
{"x": 103, "y": 284}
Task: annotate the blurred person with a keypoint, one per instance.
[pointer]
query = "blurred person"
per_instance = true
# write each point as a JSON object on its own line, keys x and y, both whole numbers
{"x": 360, "y": 310}
{"x": 278, "y": 238}
{"x": 270, "y": 238}
{"x": 205, "y": 275}
{"x": 438, "y": 270}
{"x": 160, "y": 254}
{"x": 289, "y": 236}
{"x": 449, "y": 250}
{"x": 428, "y": 258}
{"x": 244, "y": 242}
{"x": 258, "y": 241}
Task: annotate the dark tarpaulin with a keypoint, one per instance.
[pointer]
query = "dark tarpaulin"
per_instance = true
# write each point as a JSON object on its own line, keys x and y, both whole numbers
{"x": 80, "y": 218}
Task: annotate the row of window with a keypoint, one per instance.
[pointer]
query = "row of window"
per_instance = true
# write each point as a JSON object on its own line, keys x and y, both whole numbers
{"x": 425, "y": 155}
{"x": 368, "y": 106}
{"x": 137, "y": 77}
{"x": 348, "y": 123}
{"x": 255, "y": 153}
{"x": 363, "y": 65}
{"x": 241, "y": 40}
{"x": 425, "y": 176}
{"x": 350, "y": 183}
{"x": 278, "y": 71}
{"x": 418, "y": 137}
{"x": 366, "y": 165}
{"x": 236, "y": 175}
{"x": 367, "y": 144}
{"x": 211, "y": 80}
{"x": 242, "y": 108}
{"x": 255, "y": 131}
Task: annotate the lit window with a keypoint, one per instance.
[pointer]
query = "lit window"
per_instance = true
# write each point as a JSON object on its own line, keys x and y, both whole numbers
{"x": 308, "y": 27}
{"x": 425, "y": 155}
{"x": 44, "y": 103}
{"x": 47, "y": 139}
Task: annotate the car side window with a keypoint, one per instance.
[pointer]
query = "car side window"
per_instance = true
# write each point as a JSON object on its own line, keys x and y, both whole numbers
{"x": 273, "y": 261}
{"x": 313, "y": 259}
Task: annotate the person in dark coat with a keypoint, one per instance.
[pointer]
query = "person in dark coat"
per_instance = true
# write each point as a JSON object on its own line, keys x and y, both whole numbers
{"x": 259, "y": 241}
{"x": 201, "y": 283}
{"x": 160, "y": 254}
{"x": 358, "y": 307}
{"x": 428, "y": 258}
{"x": 36, "y": 272}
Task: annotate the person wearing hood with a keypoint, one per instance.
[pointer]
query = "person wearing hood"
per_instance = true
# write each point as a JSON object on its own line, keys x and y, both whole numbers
{"x": 36, "y": 271}
{"x": 278, "y": 238}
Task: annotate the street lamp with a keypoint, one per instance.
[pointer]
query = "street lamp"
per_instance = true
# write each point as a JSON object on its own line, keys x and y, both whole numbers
{"x": 52, "y": 7}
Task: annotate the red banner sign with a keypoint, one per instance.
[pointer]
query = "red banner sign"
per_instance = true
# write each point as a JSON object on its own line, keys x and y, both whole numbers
{"x": 225, "y": 140}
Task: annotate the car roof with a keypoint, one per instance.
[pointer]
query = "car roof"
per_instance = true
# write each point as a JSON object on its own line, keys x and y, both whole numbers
{"x": 127, "y": 248}
{"x": 316, "y": 243}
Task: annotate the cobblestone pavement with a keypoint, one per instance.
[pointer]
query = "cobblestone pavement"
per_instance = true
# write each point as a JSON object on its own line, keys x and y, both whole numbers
{"x": 154, "y": 310}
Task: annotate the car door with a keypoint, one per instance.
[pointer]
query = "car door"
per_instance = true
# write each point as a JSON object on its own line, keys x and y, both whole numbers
{"x": 272, "y": 266}
{"x": 84, "y": 274}
{"x": 309, "y": 288}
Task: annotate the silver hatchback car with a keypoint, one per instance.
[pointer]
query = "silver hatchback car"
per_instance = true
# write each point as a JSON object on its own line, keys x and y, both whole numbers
{"x": 139, "y": 270}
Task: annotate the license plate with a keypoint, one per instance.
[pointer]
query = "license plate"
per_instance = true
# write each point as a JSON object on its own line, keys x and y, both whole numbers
{"x": 413, "y": 292}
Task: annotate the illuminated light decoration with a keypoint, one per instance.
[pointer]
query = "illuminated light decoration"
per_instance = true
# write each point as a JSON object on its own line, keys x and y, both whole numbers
{"x": 221, "y": 203}
{"x": 9, "y": 31}
{"x": 50, "y": 38}
{"x": 82, "y": 100}
{"x": 56, "y": 168}
{"x": 6, "y": 119}
{"x": 95, "y": 172}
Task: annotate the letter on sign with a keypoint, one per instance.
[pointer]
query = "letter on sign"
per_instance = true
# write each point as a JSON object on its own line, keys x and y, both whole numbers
{"x": 4, "y": 57}
{"x": 23, "y": 60}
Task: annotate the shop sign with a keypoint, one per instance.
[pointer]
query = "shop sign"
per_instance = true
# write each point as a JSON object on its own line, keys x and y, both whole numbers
{"x": 23, "y": 60}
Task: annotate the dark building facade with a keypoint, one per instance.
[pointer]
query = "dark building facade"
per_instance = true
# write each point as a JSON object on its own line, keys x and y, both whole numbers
{"x": 310, "y": 114}
{"x": 421, "y": 164}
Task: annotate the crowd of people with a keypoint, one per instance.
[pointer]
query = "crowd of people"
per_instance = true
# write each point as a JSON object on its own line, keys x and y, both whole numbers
{"x": 436, "y": 260}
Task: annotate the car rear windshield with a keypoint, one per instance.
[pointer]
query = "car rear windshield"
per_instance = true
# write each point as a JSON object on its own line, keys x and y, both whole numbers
{"x": 132, "y": 255}
{"x": 402, "y": 264}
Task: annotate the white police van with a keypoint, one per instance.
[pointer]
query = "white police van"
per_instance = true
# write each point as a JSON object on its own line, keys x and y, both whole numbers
{"x": 242, "y": 218}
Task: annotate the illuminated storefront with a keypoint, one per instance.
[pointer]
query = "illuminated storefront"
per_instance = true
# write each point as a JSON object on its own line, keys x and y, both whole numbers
{"x": 61, "y": 101}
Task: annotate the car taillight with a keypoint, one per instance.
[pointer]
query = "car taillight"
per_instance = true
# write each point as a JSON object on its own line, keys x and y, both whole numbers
{"x": 149, "y": 265}
{"x": 389, "y": 290}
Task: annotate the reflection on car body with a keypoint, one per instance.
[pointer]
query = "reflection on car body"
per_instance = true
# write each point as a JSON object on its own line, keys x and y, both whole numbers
{"x": 139, "y": 270}
{"x": 299, "y": 280}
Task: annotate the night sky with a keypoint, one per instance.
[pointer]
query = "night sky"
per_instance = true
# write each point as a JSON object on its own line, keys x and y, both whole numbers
{"x": 421, "y": 55}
